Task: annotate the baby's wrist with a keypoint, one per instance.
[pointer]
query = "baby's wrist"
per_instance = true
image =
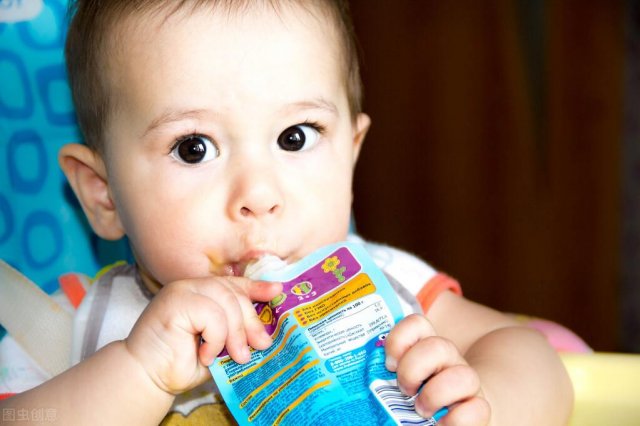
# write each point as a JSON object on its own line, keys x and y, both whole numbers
{"x": 142, "y": 375}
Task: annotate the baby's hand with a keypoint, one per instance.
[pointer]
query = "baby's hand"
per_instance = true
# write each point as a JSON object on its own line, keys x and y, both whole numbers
{"x": 419, "y": 356}
{"x": 166, "y": 338}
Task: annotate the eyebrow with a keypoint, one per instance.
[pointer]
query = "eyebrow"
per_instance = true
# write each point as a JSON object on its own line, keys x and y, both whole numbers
{"x": 172, "y": 116}
{"x": 316, "y": 103}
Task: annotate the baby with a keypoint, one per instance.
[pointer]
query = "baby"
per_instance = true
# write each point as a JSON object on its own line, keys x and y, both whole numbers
{"x": 217, "y": 132}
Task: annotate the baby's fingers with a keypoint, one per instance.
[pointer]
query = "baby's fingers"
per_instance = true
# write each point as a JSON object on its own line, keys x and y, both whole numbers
{"x": 450, "y": 387}
{"x": 403, "y": 336}
{"x": 430, "y": 356}
{"x": 472, "y": 412}
{"x": 240, "y": 321}
{"x": 259, "y": 291}
{"x": 263, "y": 291}
{"x": 226, "y": 327}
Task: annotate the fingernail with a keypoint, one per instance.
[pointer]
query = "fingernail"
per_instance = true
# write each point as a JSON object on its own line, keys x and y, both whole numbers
{"x": 404, "y": 392}
{"x": 209, "y": 360}
{"x": 266, "y": 337}
{"x": 245, "y": 354}
{"x": 391, "y": 363}
{"x": 420, "y": 409}
{"x": 263, "y": 340}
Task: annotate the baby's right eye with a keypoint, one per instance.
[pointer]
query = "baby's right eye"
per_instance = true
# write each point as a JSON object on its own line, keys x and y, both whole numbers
{"x": 194, "y": 149}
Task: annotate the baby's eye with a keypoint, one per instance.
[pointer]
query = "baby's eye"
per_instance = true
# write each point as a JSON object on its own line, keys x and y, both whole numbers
{"x": 194, "y": 149}
{"x": 299, "y": 137}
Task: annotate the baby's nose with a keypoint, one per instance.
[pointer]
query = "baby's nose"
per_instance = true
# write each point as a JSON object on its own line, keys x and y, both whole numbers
{"x": 257, "y": 194}
{"x": 258, "y": 209}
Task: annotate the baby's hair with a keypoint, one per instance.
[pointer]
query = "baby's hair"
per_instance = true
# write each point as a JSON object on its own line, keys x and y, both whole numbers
{"x": 88, "y": 47}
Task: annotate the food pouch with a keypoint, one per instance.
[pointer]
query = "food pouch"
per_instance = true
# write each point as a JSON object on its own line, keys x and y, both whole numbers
{"x": 326, "y": 364}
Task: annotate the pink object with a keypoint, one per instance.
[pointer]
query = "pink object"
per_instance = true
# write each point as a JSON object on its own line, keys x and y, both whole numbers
{"x": 560, "y": 337}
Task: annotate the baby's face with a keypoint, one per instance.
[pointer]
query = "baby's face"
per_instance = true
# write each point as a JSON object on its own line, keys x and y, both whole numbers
{"x": 232, "y": 138}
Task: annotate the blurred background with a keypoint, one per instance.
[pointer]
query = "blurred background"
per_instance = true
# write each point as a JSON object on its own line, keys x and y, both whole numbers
{"x": 504, "y": 150}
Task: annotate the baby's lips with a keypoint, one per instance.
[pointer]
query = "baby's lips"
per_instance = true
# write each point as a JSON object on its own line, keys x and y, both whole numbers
{"x": 243, "y": 268}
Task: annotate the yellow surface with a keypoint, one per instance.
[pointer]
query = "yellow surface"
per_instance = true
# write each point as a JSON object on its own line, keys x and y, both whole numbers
{"x": 607, "y": 388}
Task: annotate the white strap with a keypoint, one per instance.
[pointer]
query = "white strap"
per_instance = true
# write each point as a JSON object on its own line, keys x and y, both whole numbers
{"x": 38, "y": 323}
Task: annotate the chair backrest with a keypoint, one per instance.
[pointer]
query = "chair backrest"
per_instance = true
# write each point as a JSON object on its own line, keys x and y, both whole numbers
{"x": 43, "y": 232}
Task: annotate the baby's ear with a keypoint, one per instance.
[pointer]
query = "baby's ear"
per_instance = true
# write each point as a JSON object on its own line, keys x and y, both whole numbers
{"x": 361, "y": 128}
{"x": 87, "y": 176}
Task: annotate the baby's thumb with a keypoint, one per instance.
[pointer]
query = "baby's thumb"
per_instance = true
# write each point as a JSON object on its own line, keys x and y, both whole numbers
{"x": 262, "y": 291}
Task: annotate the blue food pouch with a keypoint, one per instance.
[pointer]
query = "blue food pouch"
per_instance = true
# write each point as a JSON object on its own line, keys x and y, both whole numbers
{"x": 326, "y": 363}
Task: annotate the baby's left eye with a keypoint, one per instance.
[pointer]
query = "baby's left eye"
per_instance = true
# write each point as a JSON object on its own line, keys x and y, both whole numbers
{"x": 194, "y": 149}
{"x": 299, "y": 137}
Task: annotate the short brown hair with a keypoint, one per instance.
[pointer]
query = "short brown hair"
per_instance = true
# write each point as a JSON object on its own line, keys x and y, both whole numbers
{"x": 86, "y": 51}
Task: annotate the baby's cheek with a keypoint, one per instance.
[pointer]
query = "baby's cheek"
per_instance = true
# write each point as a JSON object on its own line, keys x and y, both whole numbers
{"x": 166, "y": 266}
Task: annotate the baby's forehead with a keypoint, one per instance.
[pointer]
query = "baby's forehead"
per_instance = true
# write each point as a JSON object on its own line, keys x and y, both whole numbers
{"x": 141, "y": 27}
{"x": 144, "y": 23}
{"x": 232, "y": 58}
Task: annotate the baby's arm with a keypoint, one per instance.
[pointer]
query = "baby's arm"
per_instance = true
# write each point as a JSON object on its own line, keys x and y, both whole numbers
{"x": 134, "y": 381}
{"x": 481, "y": 364}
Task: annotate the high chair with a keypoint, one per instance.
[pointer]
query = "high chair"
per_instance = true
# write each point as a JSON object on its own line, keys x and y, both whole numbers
{"x": 42, "y": 228}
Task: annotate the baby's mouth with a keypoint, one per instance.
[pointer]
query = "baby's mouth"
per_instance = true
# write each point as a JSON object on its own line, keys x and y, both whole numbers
{"x": 239, "y": 268}
{"x": 234, "y": 261}
{"x": 231, "y": 269}
{"x": 236, "y": 269}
